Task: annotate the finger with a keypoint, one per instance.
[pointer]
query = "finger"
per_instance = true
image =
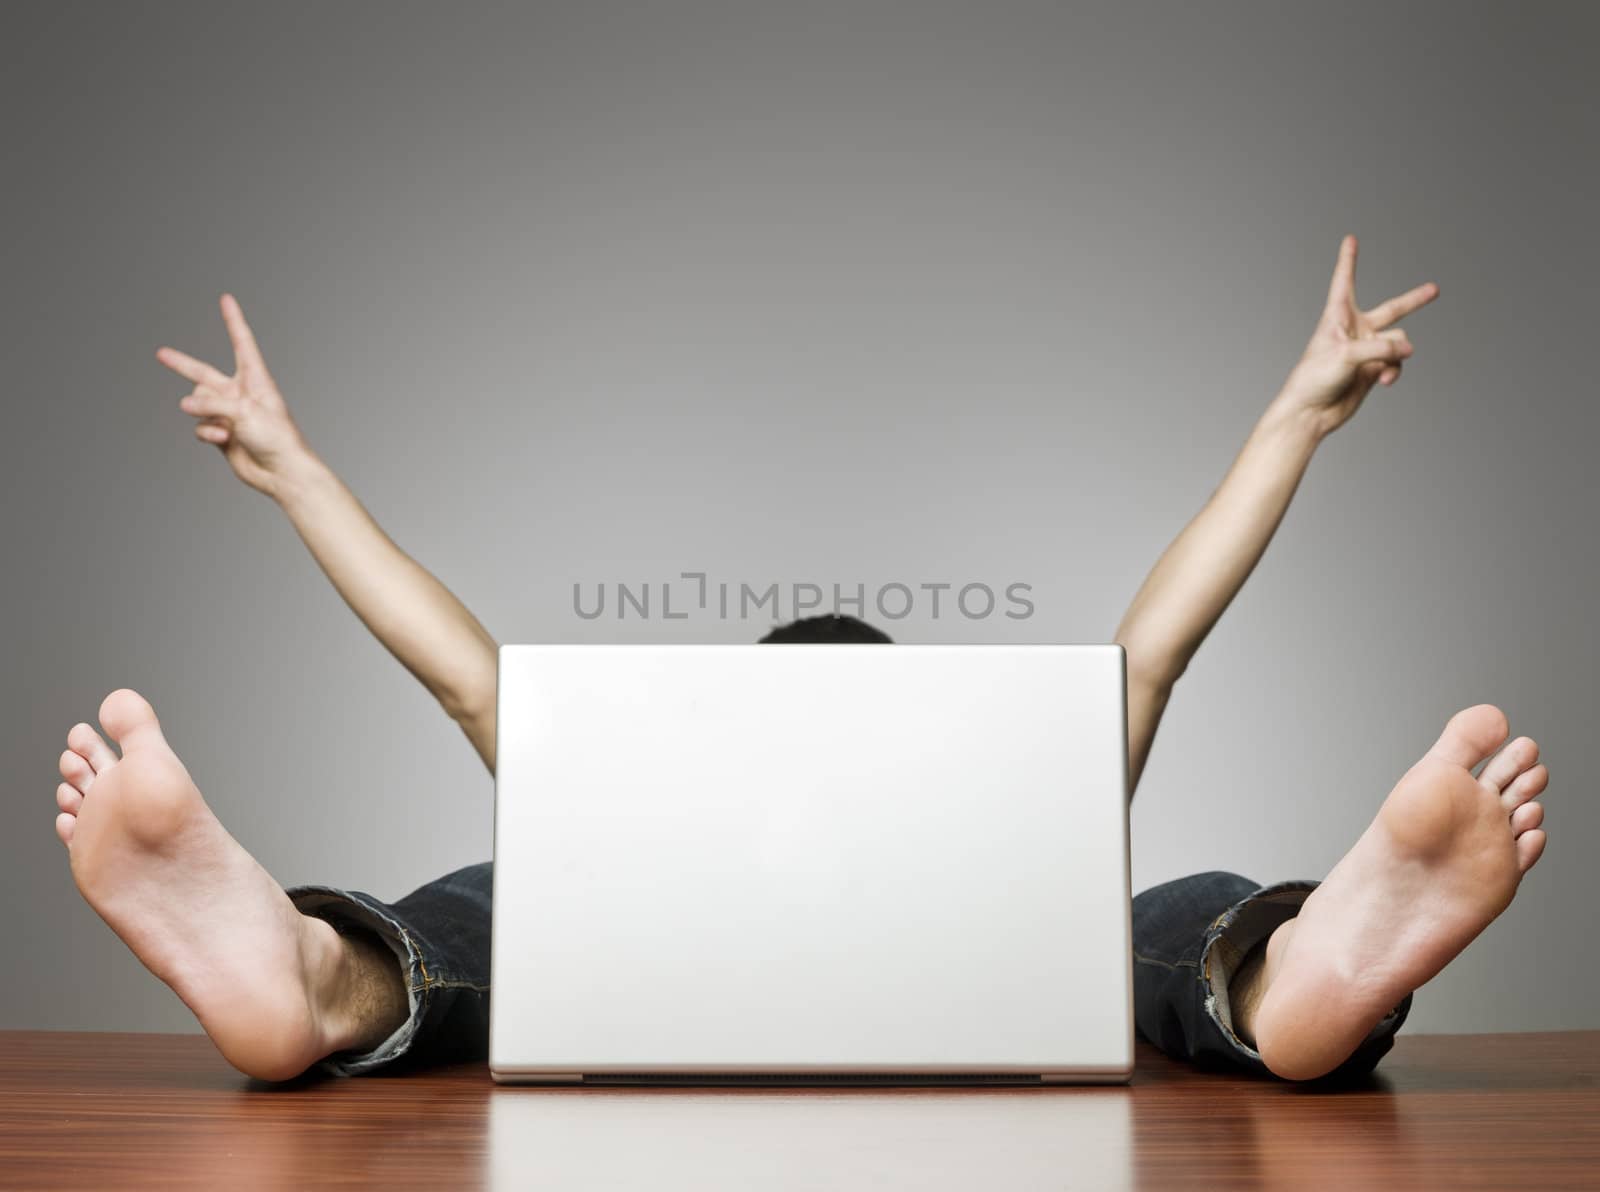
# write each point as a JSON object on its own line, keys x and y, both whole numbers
{"x": 189, "y": 368}
{"x": 213, "y": 432}
{"x": 246, "y": 353}
{"x": 1389, "y": 374}
{"x": 1398, "y": 308}
{"x": 1342, "y": 289}
{"x": 206, "y": 402}
{"x": 1364, "y": 351}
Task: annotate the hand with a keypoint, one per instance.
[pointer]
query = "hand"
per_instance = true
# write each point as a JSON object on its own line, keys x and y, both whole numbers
{"x": 244, "y": 415}
{"x": 1351, "y": 350}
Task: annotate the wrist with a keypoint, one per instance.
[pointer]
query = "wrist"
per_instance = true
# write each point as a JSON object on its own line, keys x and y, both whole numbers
{"x": 297, "y": 478}
{"x": 1293, "y": 423}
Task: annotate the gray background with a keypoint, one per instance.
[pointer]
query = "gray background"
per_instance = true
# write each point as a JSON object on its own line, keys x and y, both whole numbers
{"x": 855, "y": 293}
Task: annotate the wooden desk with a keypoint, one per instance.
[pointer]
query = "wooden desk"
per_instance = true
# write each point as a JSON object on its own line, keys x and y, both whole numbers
{"x": 164, "y": 1111}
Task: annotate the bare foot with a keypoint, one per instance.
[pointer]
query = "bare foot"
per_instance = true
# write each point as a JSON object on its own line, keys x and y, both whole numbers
{"x": 1442, "y": 859}
{"x": 269, "y": 985}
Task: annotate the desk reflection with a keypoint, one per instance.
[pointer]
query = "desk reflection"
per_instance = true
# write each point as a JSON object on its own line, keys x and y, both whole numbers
{"x": 809, "y": 1138}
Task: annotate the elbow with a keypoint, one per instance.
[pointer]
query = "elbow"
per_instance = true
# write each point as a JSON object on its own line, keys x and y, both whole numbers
{"x": 468, "y": 695}
{"x": 467, "y": 709}
{"x": 1152, "y": 670}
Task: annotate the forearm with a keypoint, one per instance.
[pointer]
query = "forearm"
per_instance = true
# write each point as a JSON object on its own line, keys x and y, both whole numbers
{"x": 1203, "y": 569}
{"x": 416, "y": 617}
{"x": 1349, "y": 352}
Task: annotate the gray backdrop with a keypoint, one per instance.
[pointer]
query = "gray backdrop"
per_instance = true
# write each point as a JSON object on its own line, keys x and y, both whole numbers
{"x": 802, "y": 293}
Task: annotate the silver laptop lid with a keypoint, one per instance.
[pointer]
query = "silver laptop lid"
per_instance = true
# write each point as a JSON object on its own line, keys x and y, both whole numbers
{"x": 822, "y": 861}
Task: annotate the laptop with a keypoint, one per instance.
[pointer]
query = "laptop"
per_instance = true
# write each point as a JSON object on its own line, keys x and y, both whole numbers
{"x": 811, "y": 864}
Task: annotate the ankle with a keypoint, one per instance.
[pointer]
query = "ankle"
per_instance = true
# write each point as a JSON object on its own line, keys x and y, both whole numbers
{"x": 356, "y": 986}
{"x": 1245, "y": 990}
{"x": 1248, "y": 987}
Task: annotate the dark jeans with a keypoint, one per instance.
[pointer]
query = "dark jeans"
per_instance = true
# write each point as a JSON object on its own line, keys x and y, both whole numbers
{"x": 1189, "y": 938}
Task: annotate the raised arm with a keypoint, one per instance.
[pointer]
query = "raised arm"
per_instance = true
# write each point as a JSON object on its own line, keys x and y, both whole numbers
{"x": 408, "y": 610}
{"x": 1206, "y": 565}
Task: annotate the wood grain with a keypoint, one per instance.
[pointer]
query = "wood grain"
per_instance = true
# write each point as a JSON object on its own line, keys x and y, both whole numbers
{"x": 165, "y": 1111}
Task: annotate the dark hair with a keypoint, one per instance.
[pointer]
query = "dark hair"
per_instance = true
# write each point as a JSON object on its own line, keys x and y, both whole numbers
{"x": 832, "y": 629}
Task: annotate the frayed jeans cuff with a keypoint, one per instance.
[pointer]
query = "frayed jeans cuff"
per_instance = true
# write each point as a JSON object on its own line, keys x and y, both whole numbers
{"x": 347, "y": 910}
{"x": 1230, "y": 939}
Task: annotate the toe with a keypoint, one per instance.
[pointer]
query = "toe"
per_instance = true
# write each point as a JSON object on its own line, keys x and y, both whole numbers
{"x": 75, "y": 769}
{"x": 1526, "y": 818}
{"x": 83, "y": 739}
{"x": 1471, "y": 735}
{"x": 1527, "y": 785}
{"x": 126, "y": 715}
{"x": 64, "y": 827}
{"x": 1530, "y": 845}
{"x": 69, "y": 798}
{"x": 1509, "y": 762}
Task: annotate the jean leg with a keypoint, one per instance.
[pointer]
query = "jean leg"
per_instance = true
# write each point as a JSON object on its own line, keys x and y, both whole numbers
{"x": 1189, "y": 938}
{"x": 439, "y": 934}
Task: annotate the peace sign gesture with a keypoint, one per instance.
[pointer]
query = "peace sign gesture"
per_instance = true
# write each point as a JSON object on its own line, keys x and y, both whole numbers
{"x": 244, "y": 414}
{"x": 1351, "y": 349}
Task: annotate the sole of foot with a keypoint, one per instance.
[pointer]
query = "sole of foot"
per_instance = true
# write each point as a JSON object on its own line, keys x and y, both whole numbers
{"x": 201, "y": 914}
{"x": 1441, "y": 860}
